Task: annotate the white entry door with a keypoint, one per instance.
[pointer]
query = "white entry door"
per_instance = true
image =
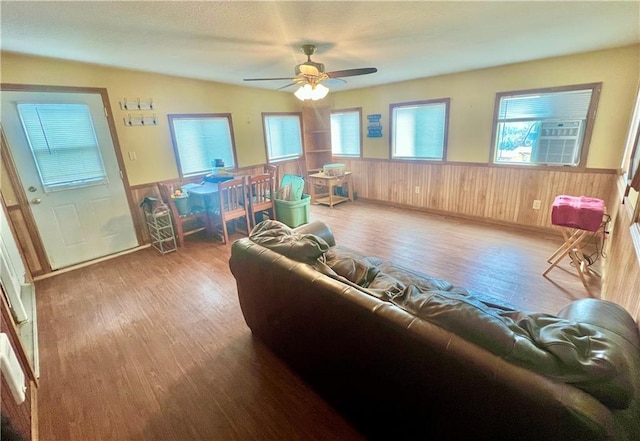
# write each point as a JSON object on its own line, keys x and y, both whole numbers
{"x": 65, "y": 157}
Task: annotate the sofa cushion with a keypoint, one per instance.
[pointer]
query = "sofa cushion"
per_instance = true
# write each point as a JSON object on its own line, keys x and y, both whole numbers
{"x": 280, "y": 238}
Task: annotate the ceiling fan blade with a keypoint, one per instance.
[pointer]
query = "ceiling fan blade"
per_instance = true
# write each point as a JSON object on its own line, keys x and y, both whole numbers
{"x": 352, "y": 72}
{"x": 267, "y": 79}
{"x": 334, "y": 82}
{"x": 288, "y": 85}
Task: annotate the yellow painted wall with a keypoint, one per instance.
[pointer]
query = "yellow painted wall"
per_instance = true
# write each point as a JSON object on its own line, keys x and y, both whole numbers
{"x": 152, "y": 145}
{"x": 473, "y": 98}
{"x": 472, "y": 102}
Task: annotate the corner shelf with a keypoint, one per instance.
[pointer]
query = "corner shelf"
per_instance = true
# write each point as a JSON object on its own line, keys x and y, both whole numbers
{"x": 317, "y": 137}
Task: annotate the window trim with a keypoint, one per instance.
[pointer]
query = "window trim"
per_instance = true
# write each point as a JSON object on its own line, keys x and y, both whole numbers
{"x": 176, "y": 153}
{"x": 350, "y": 110}
{"x": 633, "y": 172}
{"x": 264, "y": 136}
{"x": 586, "y": 139}
{"x": 445, "y": 141}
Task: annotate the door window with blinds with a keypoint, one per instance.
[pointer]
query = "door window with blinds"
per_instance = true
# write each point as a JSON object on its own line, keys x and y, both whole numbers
{"x": 544, "y": 126}
{"x": 283, "y": 136}
{"x": 200, "y": 139}
{"x": 346, "y": 133}
{"x": 419, "y": 130}
{"x": 64, "y": 146}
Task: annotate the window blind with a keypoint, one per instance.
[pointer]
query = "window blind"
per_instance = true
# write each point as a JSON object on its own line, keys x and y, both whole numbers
{"x": 559, "y": 105}
{"x": 63, "y": 143}
{"x": 200, "y": 141}
{"x": 419, "y": 131}
{"x": 283, "y": 136}
{"x": 345, "y": 133}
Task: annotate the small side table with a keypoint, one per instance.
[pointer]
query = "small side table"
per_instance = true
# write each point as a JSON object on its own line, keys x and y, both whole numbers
{"x": 330, "y": 182}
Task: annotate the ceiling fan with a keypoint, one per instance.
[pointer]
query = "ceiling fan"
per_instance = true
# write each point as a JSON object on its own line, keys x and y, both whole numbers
{"x": 310, "y": 74}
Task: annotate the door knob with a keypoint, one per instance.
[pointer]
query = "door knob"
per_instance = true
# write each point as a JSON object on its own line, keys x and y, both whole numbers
{"x": 36, "y": 201}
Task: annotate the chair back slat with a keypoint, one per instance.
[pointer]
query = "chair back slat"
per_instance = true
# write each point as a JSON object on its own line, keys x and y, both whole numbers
{"x": 232, "y": 198}
{"x": 262, "y": 194}
{"x": 273, "y": 171}
{"x": 233, "y": 203}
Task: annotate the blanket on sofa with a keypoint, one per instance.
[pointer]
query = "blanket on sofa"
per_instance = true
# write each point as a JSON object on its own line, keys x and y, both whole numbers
{"x": 575, "y": 353}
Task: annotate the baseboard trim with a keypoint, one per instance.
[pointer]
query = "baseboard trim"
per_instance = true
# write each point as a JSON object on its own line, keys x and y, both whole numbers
{"x": 550, "y": 231}
{"x": 89, "y": 262}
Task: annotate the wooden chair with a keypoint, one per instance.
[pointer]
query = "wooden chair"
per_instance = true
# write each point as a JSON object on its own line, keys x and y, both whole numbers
{"x": 233, "y": 204}
{"x": 261, "y": 189}
{"x": 184, "y": 224}
{"x": 273, "y": 171}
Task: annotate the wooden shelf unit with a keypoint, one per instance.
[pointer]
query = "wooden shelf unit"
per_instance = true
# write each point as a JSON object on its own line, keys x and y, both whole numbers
{"x": 316, "y": 123}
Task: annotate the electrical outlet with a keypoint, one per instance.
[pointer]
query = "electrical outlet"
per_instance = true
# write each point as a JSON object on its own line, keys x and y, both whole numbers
{"x": 537, "y": 204}
{"x": 417, "y": 189}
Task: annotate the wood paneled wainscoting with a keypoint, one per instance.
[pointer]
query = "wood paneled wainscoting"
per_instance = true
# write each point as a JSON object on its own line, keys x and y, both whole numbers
{"x": 490, "y": 193}
{"x": 621, "y": 270}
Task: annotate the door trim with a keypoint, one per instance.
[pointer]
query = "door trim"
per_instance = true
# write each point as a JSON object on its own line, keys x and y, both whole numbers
{"x": 17, "y": 185}
{"x": 25, "y": 210}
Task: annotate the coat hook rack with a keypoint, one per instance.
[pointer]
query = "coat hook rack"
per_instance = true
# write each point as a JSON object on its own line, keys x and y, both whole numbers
{"x": 136, "y": 104}
{"x": 140, "y": 120}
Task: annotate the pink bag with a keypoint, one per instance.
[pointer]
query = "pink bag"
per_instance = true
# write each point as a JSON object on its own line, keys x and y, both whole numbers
{"x": 577, "y": 212}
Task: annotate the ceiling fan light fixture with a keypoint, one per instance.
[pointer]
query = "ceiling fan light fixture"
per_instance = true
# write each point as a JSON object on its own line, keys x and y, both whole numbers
{"x": 319, "y": 92}
{"x": 309, "y": 92}
{"x": 303, "y": 92}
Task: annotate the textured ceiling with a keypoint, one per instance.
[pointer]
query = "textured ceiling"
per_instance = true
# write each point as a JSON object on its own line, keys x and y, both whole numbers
{"x": 229, "y": 41}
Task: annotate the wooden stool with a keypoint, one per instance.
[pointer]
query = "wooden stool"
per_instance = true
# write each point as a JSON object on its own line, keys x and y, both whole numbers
{"x": 580, "y": 216}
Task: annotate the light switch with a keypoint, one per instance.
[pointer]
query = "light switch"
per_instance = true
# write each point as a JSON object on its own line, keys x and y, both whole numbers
{"x": 132, "y": 156}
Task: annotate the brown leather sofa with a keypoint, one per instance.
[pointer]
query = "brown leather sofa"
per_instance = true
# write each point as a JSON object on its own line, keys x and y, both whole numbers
{"x": 399, "y": 370}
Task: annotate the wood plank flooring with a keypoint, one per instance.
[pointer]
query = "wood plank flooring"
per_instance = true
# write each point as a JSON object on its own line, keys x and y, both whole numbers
{"x": 150, "y": 347}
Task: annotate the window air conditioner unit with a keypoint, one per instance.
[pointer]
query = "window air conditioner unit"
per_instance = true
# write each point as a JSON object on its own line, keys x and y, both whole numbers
{"x": 559, "y": 142}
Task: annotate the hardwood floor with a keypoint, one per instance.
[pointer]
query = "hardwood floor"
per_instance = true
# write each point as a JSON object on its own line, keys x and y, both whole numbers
{"x": 151, "y": 347}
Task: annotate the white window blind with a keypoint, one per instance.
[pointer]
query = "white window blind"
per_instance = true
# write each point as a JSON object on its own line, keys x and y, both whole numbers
{"x": 200, "y": 140}
{"x": 345, "y": 133}
{"x": 567, "y": 105}
{"x": 63, "y": 143}
{"x": 283, "y": 136}
{"x": 419, "y": 131}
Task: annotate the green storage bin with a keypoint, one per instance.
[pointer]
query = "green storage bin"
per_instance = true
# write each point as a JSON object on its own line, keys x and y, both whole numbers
{"x": 293, "y": 213}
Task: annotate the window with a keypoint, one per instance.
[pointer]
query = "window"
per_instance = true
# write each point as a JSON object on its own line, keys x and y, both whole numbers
{"x": 346, "y": 133}
{"x": 419, "y": 129}
{"x": 200, "y": 139}
{"x": 283, "y": 136}
{"x": 544, "y": 126}
{"x": 63, "y": 144}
